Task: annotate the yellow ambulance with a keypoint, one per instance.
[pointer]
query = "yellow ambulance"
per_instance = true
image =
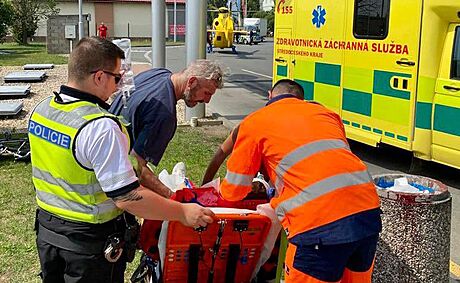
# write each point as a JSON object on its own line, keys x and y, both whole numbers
{"x": 390, "y": 68}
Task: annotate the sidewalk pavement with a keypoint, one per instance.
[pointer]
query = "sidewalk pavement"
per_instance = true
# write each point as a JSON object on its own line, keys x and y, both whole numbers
{"x": 230, "y": 104}
{"x": 140, "y": 67}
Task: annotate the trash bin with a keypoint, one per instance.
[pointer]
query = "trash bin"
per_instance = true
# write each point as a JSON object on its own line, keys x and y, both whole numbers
{"x": 414, "y": 245}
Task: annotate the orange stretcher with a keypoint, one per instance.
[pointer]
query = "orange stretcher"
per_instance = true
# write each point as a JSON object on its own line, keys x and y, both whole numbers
{"x": 225, "y": 251}
{"x": 150, "y": 229}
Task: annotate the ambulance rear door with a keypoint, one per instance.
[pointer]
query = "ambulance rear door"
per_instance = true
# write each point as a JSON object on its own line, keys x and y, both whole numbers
{"x": 380, "y": 70}
{"x": 446, "y": 116}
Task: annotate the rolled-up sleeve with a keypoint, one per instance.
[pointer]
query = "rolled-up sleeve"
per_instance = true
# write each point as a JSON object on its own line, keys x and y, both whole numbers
{"x": 243, "y": 164}
{"x": 102, "y": 147}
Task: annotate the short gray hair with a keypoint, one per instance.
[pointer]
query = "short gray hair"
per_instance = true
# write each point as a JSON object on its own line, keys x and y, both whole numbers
{"x": 207, "y": 69}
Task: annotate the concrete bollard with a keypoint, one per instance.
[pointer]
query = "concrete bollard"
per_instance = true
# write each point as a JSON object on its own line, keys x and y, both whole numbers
{"x": 414, "y": 245}
{"x": 194, "y": 122}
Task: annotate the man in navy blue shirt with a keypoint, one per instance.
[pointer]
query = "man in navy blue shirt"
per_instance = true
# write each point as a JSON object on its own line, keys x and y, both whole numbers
{"x": 151, "y": 110}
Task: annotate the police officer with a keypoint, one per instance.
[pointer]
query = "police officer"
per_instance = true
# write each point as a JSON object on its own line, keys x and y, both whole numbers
{"x": 326, "y": 200}
{"x": 82, "y": 176}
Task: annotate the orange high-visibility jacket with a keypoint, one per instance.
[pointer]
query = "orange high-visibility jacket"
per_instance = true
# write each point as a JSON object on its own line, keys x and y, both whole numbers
{"x": 303, "y": 148}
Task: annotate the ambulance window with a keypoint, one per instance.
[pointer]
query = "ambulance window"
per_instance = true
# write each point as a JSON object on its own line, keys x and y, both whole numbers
{"x": 455, "y": 66}
{"x": 371, "y": 19}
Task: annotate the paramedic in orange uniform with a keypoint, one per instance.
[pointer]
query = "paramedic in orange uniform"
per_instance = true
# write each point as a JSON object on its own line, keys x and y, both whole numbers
{"x": 326, "y": 200}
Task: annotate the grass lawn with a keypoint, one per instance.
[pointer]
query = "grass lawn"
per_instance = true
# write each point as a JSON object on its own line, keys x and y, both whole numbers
{"x": 12, "y": 54}
{"x": 18, "y": 256}
{"x": 34, "y": 53}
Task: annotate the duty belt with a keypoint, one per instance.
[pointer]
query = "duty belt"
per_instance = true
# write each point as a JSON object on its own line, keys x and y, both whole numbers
{"x": 45, "y": 222}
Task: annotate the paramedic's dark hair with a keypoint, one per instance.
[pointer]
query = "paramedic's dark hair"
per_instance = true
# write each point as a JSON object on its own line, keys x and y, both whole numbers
{"x": 92, "y": 54}
{"x": 288, "y": 86}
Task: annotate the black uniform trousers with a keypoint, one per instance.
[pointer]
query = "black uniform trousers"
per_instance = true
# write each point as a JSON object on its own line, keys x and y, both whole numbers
{"x": 81, "y": 259}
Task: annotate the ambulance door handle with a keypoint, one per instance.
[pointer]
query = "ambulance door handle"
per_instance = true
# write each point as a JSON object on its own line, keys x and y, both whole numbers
{"x": 452, "y": 88}
{"x": 279, "y": 60}
{"x": 293, "y": 62}
{"x": 405, "y": 62}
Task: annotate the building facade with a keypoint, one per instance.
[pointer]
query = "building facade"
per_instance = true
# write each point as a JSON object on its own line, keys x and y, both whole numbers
{"x": 124, "y": 18}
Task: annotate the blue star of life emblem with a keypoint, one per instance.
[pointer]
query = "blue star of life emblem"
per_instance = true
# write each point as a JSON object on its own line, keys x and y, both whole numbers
{"x": 318, "y": 16}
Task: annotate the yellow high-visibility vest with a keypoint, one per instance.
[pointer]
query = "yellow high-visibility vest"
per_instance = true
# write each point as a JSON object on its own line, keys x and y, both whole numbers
{"x": 63, "y": 186}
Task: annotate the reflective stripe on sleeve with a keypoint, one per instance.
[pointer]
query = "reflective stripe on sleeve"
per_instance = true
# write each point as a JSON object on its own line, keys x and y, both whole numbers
{"x": 321, "y": 188}
{"x": 115, "y": 179}
{"x": 238, "y": 179}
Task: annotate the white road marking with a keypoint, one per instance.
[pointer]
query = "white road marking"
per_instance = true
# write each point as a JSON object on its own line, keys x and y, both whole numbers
{"x": 454, "y": 269}
{"x": 258, "y": 74}
{"x": 146, "y": 56}
{"x": 140, "y": 63}
{"x": 147, "y": 53}
{"x": 146, "y": 49}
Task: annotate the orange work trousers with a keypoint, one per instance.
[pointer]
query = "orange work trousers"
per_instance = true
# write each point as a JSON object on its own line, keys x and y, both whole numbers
{"x": 293, "y": 275}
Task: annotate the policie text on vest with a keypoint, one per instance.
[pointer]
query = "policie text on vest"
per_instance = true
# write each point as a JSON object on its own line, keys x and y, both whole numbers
{"x": 48, "y": 134}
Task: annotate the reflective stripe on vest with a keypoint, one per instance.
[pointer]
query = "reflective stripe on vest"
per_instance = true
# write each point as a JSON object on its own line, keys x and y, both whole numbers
{"x": 306, "y": 154}
{"x": 63, "y": 187}
{"x": 321, "y": 188}
{"x": 71, "y": 119}
{"x": 288, "y": 161}
{"x": 302, "y": 153}
{"x": 54, "y": 200}
{"x": 80, "y": 189}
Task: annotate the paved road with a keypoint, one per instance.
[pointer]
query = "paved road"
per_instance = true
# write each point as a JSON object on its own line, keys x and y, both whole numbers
{"x": 251, "y": 68}
{"x": 251, "y": 71}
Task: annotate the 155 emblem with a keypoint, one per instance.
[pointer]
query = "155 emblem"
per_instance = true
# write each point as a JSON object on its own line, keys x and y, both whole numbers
{"x": 282, "y": 8}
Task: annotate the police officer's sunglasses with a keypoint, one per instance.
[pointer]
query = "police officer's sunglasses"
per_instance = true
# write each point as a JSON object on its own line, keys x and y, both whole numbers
{"x": 117, "y": 77}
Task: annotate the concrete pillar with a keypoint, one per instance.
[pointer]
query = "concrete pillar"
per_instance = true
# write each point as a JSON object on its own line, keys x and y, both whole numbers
{"x": 158, "y": 34}
{"x": 195, "y": 42}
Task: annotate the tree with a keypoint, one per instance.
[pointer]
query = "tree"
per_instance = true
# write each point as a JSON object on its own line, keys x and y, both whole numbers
{"x": 253, "y": 6}
{"x": 26, "y": 14}
{"x": 270, "y": 16}
{"x": 6, "y": 12}
{"x": 213, "y": 6}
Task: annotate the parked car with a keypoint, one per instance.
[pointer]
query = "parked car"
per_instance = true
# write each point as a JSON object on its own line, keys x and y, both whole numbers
{"x": 245, "y": 39}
